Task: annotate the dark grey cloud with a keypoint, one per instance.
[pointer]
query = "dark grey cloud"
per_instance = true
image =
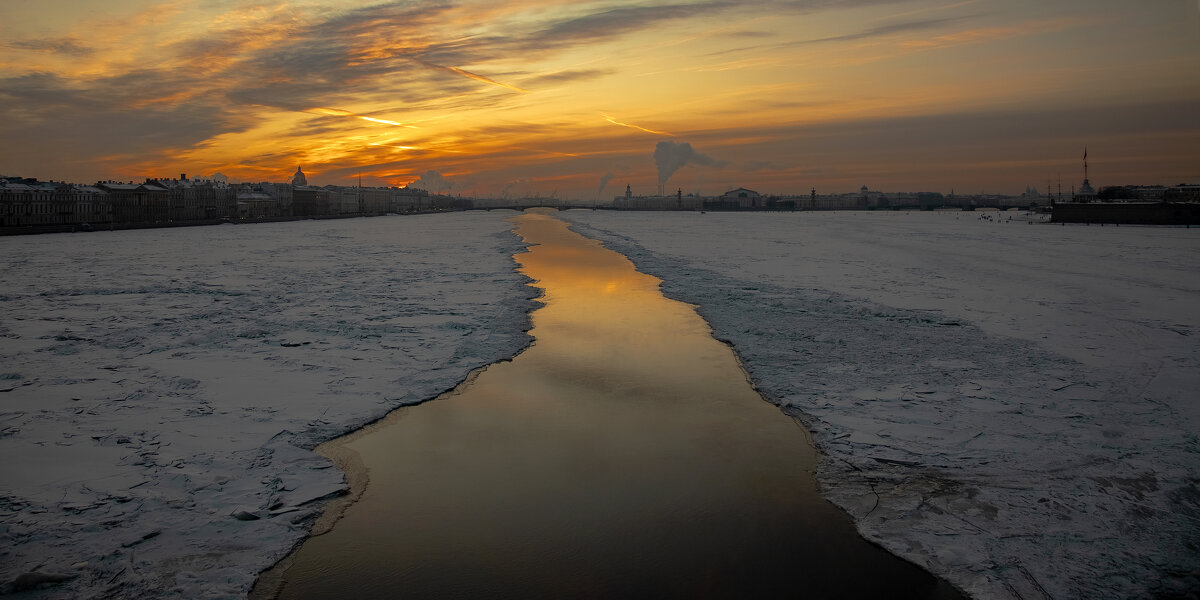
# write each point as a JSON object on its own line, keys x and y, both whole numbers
{"x": 566, "y": 76}
{"x": 303, "y": 61}
{"x": 883, "y": 30}
{"x": 980, "y": 128}
{"x": 823, "y": 5}
{"x": 762, "y": 165}
{"x": 508, "y": 130}
{"x": 320, "y": 64}
{"x": 410, "y": 16}
{"x": 955, "y": 149}
{"x": 615, "y": 22}
{"x": 873, "y": 32}
{"x": 748, "y": 34}
{"x": 323, "y": 63}
{"x": 1110, "y": 121}
{"x": 70, "y": 46}
{"x": 64, "y": 123}
{"x": 45, "y": 98}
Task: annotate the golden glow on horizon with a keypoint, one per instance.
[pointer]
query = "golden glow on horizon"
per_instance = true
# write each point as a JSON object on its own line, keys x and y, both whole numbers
{"x": 784, "y": 99}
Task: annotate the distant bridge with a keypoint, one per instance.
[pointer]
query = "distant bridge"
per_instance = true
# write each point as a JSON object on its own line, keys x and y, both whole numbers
{"x": 953, "y": 207}
{"x": 527, "y": 206}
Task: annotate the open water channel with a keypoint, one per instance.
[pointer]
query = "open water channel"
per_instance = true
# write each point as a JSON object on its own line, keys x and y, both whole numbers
{"x": 623, "y": 455}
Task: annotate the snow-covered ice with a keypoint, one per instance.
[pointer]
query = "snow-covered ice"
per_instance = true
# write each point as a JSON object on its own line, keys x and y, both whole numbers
{"x": 1011, "y": 405}
{"x": 161, "y": 390}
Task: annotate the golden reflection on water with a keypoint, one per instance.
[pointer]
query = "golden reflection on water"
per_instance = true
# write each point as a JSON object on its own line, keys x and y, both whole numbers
{"x": 623, "y": 455}
{"x": 608, "y": 323}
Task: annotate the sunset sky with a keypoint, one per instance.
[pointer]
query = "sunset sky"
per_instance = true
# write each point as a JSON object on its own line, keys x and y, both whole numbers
{"x": 534, "y": 97}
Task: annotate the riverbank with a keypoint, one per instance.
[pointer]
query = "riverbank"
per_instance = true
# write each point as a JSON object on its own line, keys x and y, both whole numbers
{"x": 1010, "y": 406}
{"x": 1128, "y": 213}
{"x": 163, "y": 389}
{"x": 96, "y": 227}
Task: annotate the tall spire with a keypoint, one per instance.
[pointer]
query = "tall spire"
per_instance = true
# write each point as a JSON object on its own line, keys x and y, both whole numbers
{"x": 1086, "y": 192}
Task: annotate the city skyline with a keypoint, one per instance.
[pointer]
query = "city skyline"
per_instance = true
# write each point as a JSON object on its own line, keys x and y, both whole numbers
{"x": 580, "y": 99}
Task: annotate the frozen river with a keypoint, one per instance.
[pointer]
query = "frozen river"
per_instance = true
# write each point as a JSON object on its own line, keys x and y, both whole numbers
{"x": 1011, "y": 406}
{"x": 623, "y": 455}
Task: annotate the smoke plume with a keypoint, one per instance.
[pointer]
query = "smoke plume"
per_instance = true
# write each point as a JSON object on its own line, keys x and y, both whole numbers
{"x": 604, "y": 182}
{"x": 671, "y": 156}
{"x": 432, "y": 181}
{"x": 507, "y": 188}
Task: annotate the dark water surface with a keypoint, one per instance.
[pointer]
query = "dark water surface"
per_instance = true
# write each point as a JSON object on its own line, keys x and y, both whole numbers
{"x": 623, "y": 455}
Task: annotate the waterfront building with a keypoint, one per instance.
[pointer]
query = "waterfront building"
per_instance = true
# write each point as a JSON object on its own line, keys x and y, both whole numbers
{"x": 1031, "y": 196}
{"x": 33, "y": 202}
{"x": 1086, "y": 192}
{"x": 198, "y": 199}
{"x": 742, "y": 198}
{"x": 343, "y": 201}
{"x": 408, "y": 199}
{"x": 310, "y": 201}
{"x": 137, "y": 202}
{"x": 375, "y": 201}
{"x": 675, "y": 202}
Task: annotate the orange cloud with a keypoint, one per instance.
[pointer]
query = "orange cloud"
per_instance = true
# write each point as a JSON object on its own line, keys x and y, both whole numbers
{"x": 973, "y": 36}
{"x": 337, "y": 112}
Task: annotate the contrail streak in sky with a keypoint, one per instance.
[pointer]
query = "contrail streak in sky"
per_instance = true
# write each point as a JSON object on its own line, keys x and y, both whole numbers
{"x": 337, "y": 112}
{"x": 639, "y": 128}
{"x": 478, "y": 77}
{"x": 385, "y": 122}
